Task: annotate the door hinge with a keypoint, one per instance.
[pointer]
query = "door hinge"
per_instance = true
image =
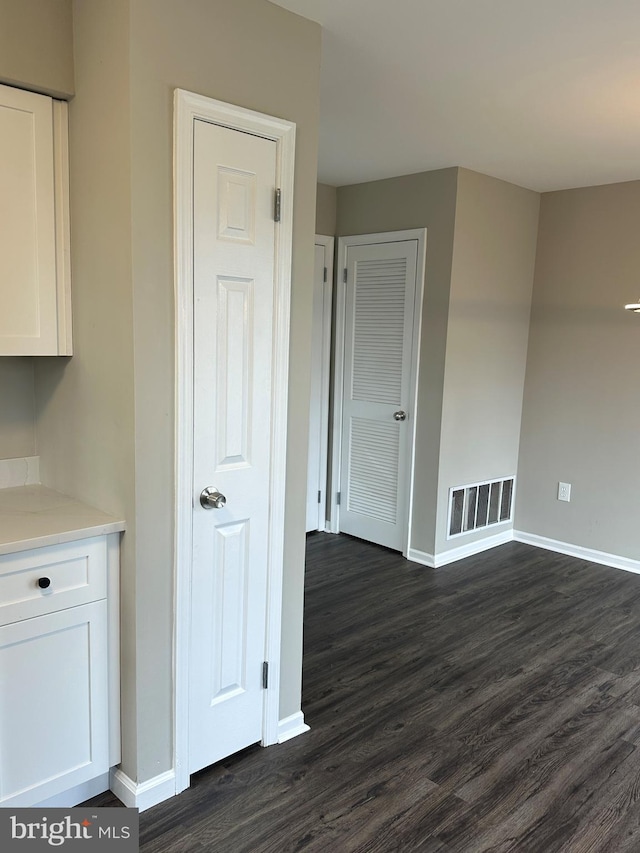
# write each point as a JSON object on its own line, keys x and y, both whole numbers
{"x": 265, "y": 675}
{"x": 319, "y": 496}
{"x": 325, "y": 275}
{"x": 338, "y": 495}
{"x": 277, "y": 205}
{"x": 344, "y": 275}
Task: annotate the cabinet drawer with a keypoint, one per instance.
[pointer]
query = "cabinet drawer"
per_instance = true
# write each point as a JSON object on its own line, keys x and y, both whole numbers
{"x": 76, "y": 571}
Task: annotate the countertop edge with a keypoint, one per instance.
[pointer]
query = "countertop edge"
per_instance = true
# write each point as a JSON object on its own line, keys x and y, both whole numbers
{"x": 115, "y": 526}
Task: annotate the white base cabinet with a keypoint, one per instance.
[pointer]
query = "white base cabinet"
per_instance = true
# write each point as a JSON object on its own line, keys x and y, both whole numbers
{"x": 57, "y": 669}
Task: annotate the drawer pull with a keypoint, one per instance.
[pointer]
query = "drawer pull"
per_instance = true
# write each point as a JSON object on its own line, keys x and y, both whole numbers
{"x": 44, "y": 583}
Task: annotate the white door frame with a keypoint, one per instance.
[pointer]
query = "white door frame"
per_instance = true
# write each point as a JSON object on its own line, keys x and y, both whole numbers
{"x": 188, "y": 108}
{"x": 419, "y": 234}
{"x": 328, "y": 243}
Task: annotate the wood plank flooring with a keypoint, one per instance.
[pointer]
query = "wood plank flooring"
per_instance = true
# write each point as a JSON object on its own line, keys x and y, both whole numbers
{"x": 492, "y": 705}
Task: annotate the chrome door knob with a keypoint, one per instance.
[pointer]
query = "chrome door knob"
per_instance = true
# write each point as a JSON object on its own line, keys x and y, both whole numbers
{"x": 211, "y": 498}
{"x": 400, "y": 416}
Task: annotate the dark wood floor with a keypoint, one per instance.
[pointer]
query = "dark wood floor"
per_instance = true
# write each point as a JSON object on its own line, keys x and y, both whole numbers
{"x": 492, "y": 705}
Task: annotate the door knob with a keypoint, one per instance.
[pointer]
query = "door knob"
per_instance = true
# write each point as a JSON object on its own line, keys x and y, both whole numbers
{"x": 212, "y": 499}
{"x": 400, "y": 416}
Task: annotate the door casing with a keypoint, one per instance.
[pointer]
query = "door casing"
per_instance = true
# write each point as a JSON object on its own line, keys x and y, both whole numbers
{"x": 189, "y": 107}
{"x": 419, "y": 234}
{"x": 323, "y": 369}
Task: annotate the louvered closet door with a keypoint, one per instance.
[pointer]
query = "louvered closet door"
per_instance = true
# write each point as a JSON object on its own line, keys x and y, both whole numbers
{"x": 380, "y": 294}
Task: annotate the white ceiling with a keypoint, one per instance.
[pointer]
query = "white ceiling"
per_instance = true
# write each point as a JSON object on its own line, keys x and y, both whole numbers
{"x": 542, "y": 93}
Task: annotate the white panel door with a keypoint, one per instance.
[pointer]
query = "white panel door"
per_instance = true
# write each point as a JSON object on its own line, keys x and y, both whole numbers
{"x": 319, "y": 402}
{"x": 377, "y": 412}
{"x": 234, "y": 242}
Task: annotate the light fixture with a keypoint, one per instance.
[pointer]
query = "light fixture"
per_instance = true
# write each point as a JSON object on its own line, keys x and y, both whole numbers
{"x": 633, "y": 306}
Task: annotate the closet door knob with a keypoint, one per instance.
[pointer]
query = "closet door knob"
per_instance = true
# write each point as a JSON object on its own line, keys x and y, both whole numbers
{"x": 44, "y": 583}
{"x": 211, "y": 498}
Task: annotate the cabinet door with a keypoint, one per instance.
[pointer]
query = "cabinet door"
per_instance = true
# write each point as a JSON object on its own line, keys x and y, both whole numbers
{"x": 53, "y": 703}
{"x": 31, "y": 306}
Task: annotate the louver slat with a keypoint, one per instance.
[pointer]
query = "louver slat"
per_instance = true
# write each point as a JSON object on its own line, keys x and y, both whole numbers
{"x": 379, "y": 330}
{"x": 373, "y": 469}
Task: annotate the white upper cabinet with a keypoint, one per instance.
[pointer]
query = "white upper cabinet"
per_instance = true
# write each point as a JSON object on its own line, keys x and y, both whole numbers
{"x": 35, "y": 293}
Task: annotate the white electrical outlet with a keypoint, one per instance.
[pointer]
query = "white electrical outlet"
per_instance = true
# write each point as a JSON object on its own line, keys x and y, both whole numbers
{"x": 564, "y": 491}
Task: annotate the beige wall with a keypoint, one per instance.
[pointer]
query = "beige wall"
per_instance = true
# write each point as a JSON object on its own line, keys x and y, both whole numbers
{"x": 581, "y": 405}
{"x": 491, "y": 282}
{"x": 106, "y": 417}
{"x": 326, "y": 210}
{"x": 17, "y": 408}
{"x": 36, "y": 45}
{"x": 426, "y": 200}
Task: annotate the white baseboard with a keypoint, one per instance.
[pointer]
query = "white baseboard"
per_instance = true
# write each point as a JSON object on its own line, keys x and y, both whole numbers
{"x": 143, "y": 795}
{"x": 23, "y": 471}
{"x": 435, "y": 561}
{"x": 421, "y": 557}
{"x": 472, "y": 548}
{"x": 292, "y": 726}
{"x": 589, "y": 554}
{"x": 601, "y": 557}
{"x": 78, "y": 794}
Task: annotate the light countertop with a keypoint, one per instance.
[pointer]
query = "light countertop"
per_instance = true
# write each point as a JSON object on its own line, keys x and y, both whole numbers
{"x": 35, "y": 516}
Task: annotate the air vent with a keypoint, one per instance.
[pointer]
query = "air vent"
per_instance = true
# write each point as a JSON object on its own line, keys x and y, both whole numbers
{"x": 480, "y": 505}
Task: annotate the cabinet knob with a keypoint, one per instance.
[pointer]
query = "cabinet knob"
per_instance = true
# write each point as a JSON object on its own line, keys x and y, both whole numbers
{"x": 44, "y": 583}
